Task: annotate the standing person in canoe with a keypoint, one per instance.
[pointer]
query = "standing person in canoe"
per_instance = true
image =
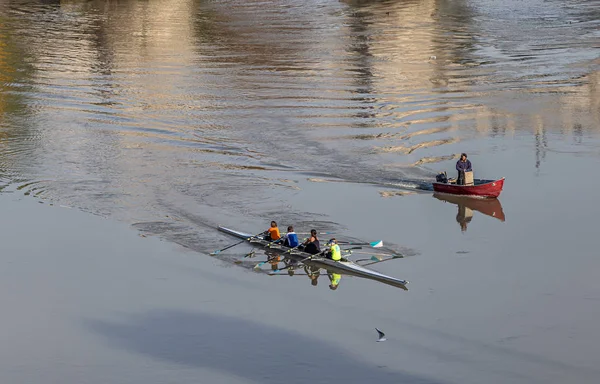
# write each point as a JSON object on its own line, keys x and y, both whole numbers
{"x": 290, "y": 239}
{"x": 462, "y": 165}
{"x": 312, "y": 245}
{"x": 273, "y": 232}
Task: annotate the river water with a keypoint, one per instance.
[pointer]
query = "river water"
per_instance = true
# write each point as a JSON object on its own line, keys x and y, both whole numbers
{"x": 176, "y": 116}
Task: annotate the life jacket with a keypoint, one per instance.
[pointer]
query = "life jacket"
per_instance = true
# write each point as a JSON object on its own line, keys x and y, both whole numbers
{"x": 336, "y": 253}
{"x": 292, "y": 240}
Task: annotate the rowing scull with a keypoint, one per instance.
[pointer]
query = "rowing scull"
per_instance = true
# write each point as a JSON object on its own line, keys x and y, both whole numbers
{"x": 343, "y": 266}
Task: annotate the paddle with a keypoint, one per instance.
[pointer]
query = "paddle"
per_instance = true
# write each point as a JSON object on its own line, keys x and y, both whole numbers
{"x": 238, "y": 243}
{"x": 374, "y": 244}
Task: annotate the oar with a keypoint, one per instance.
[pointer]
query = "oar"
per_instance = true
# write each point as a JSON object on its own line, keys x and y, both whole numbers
{"x": 233, "y": 245}
{"x": 299, "y": 262}
{"x": 320, "y": 254}
{"x": 381, "y": 261}
{"x": 257, "y": 266}
{"x": 374, "y": 244}
{"x": 296, "y": 265}
{"x": 274, "y": 257}
{"x": 366, "y": 253}
{"x": 372, "y": 258}
{"x": 285, "y": 274}
{"x": 320, "y": 233}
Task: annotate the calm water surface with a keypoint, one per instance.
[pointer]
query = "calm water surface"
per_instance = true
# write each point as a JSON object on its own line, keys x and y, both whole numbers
{"x": 179, "y": 115}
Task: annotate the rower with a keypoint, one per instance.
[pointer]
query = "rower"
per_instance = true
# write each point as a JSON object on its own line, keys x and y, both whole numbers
{"x": 273, "y": 232}
{"x": 290, "y": 239}
{"x": 312, "y": 245}
{"x": 335, "y": 253}
{"x": 463, "y": 165}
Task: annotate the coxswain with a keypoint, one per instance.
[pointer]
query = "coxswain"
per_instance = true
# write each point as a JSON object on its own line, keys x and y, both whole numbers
{"x": 462, "y": 165}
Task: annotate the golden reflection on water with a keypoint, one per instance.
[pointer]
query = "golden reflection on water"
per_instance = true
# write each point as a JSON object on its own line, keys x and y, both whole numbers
{"x": 98, "y": 95}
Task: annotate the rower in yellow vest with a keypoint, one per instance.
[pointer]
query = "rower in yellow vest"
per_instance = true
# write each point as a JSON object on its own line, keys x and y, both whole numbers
{"x": 335, "y": 253}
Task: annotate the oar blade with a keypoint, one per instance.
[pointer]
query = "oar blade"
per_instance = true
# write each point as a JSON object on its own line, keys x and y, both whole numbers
{"x": 376, "y": 244}
{"x": 257, "y": 266}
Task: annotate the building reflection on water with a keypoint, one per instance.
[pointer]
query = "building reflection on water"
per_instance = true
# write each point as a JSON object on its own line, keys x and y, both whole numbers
{"x": 466, "y": 206}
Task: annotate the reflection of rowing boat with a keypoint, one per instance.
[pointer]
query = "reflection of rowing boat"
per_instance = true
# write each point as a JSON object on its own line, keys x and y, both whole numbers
{"x": 466, "y": 206}
{"x": 343, "y": 266}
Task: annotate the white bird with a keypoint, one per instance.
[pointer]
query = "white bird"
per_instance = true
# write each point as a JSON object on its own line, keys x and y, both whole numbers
{"x": 381, "y": 335}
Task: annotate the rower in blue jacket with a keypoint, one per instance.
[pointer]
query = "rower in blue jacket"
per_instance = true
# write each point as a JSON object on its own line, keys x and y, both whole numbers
{"x": 290, "y": 239}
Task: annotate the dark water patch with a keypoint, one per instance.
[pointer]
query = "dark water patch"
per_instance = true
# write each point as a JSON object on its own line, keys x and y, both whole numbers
{"x": 190, "y": 339}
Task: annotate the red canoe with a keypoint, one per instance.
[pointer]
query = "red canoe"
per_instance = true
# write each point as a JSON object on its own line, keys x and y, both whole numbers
{"x": 481, "y": 188}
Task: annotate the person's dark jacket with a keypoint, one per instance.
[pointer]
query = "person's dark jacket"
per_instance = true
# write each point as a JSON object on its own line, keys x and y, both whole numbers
{"x": 464, "y": 166}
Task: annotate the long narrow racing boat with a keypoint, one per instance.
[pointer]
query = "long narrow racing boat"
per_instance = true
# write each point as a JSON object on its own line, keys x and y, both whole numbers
{"x": 343, "y": 266}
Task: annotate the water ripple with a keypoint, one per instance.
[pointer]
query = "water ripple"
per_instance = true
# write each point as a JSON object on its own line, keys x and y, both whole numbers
{"x": 135, "y": 109}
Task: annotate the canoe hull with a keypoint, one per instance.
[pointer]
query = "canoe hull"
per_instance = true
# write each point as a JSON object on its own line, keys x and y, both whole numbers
{"x": 343, "y": 267}
{"x": 485, "y": 189}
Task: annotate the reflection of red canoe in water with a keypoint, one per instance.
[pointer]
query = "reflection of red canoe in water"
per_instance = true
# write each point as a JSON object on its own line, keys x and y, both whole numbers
{"x": 481, "y": 188}
{"x": 490, "y": 207}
